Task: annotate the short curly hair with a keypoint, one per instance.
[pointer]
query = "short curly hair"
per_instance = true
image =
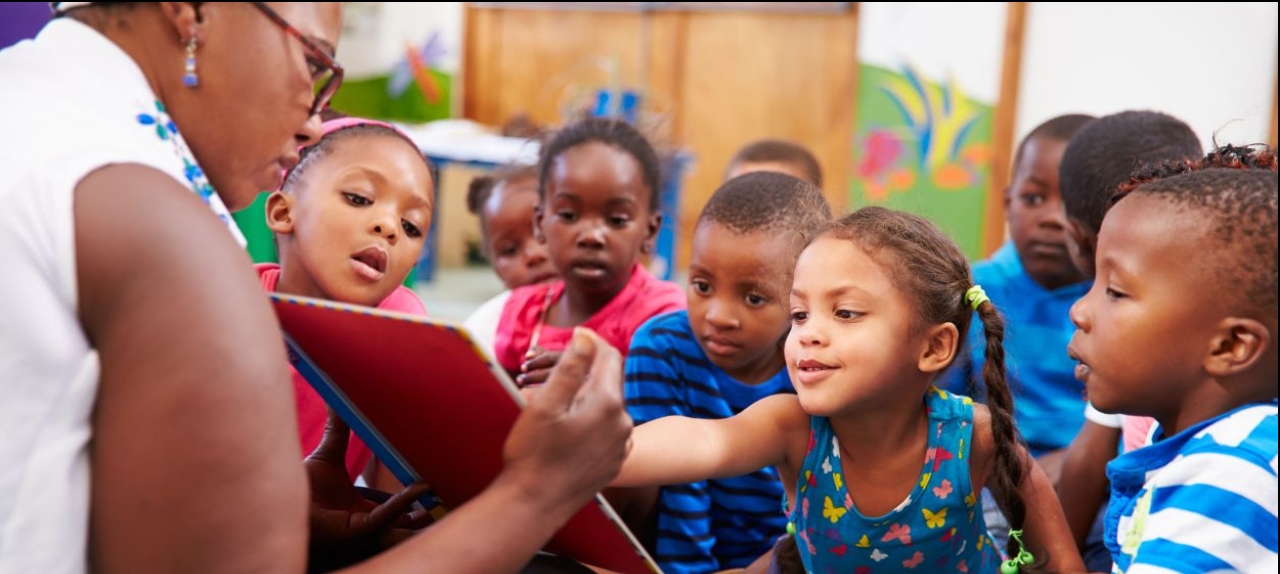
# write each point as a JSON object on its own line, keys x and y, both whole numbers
{"x": 1235, "y": 188}
{"x": 1107, "y": 151}
{"x": 780, "y": 151}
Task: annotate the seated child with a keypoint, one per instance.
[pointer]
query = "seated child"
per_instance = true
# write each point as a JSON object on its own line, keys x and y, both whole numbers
{"x": 1098, "y": 160}
{"x": 778, "y": 156}
{"x": 1034, "y": 281}
{"x": 504, "y": 202}
{"x": 881, "y": 470}
{"x": 597, "y": 213}
{"x": 723, "y": 355}
{"x": 1180, "y": 325}
{"x": 350, "y": 221}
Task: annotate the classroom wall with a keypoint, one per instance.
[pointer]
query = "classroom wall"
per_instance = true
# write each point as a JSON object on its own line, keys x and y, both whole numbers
{"x": 1212, "y": 65}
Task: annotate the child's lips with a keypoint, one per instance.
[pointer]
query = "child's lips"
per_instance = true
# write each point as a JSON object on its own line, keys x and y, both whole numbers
{"x": 809, "y": 371}
{"x": 370, "y": 263}
{"x": 590, "y": 269}
{"x": 1082, "y": 369}
{"x": 719, "y": 345}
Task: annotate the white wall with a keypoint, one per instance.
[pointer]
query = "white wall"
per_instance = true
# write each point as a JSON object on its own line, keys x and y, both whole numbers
{"x": 1211, "y": 65}
{"x": 375, "y": 34}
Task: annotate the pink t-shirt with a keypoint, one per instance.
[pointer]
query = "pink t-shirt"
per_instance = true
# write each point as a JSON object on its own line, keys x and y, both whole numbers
{"x": 312, "y": 413}
{"x": 643, "y": 296}
{"x": 1136, "y": 430}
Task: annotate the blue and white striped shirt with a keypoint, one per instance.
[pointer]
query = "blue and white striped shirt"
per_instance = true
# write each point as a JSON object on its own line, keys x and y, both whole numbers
{"x": 1203, "y": 500}
{"x": 710, "y": 525}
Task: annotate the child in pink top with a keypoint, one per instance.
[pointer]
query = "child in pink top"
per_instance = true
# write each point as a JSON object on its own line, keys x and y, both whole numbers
{"x": 597, "y": 212}
{"x": 350, "y": 222}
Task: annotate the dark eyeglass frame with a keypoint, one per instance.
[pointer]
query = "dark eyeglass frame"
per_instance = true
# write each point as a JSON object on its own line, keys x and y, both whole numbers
{"x": 323, "y": 61}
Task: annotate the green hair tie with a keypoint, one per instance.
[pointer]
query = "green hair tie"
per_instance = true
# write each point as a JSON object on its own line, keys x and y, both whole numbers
{"x": 1024, "y": 558}
{"x": 975, "y": 296}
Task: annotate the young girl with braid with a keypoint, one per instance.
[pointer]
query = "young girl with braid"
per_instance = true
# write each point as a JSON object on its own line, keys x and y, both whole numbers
{"x": 881, "y": 469}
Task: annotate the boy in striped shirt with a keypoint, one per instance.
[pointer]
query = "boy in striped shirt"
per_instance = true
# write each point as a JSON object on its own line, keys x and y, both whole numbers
{"x": 721, "y": 356}
{"x": 1181, "y": 326}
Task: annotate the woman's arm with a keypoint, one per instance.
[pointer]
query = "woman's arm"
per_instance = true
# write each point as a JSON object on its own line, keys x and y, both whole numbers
{"x": 566, "y": 445}
{"x": 677, "y": 450}
{"x": 195, "y": 448}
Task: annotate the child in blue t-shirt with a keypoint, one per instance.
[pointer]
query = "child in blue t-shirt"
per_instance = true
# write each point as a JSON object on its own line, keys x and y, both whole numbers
{"x": 723, "y": 355}
{"x": 1034, "y": 281}
{"x": 1180, "y": 325}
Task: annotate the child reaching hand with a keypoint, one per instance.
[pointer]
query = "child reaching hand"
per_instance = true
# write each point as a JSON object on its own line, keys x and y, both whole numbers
{"x": 597, "y": 213}
{"x": 722, "y": 356}
{"x": 350, "y": 221}
{"x": 1180, "y": 325}
{"x": 881, "y": 470}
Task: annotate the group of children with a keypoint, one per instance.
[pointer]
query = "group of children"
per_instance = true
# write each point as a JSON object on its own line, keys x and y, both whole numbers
{"x": 804, "y": 404}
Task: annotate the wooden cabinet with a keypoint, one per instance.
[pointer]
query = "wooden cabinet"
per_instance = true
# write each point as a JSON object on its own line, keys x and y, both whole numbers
{"x": 712, "y": 80}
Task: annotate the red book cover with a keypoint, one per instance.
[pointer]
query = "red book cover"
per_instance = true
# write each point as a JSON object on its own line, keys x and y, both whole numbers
{"x": 432, "y": 406}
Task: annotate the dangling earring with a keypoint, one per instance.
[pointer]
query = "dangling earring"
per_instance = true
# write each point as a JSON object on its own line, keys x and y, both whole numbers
{"x": 189, "y": 79}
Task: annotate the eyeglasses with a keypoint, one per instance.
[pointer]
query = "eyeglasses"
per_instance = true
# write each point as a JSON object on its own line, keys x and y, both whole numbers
{"x": 326, "y": 73}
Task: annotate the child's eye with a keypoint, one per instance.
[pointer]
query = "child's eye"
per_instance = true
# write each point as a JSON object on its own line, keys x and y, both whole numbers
{"x": 845, "y": 314}
{"x": 754, "y": 300}
{"x": 1033, "y": 199}
{"x": 798, "y": 317}
{"x": 410, "y": 229}
{"x": 356, "y": 199}
{"x": 619, "y": 220}
{"x": 1113, "y": 294}
{"x": 506, "y": 251}
{"x": 701, "y": 287}
{"x": 567, "y": 216}
{"x": 315, "y": 67}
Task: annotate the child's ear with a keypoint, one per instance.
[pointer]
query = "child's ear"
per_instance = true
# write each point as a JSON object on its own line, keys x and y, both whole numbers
{"x": 651, "y": 238}
{"x": 1082, "y": 246}
{"x": 280, "y": 213}
{"x": 537, "y": 224}
{"x": 1237, "y": 346}
{"x": 939, "y": 347}
{"x": 1007, "y": 198}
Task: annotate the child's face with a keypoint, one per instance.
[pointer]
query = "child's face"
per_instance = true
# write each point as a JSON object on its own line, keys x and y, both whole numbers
{"x": 746, "y": 167}
{"x": 517, "y": 257}
{"x": 595, "y": 217}
{"x": 851, "y": 339}
{"x": 353, "y": 227}
{"x": 1037, "y": 222}
{"x": 738, "y": 297}
{"x": 1145, "y": 326}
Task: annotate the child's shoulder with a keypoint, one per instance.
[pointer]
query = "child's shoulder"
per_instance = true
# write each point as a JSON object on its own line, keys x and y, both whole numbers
{"x": 655, "y": 292}
{"x": 403, "y": 300}
{"x": 1248, "y": 434}
{"x": 674, "y": 324}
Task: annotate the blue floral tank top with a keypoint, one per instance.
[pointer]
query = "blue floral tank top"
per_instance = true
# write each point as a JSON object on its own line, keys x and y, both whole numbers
{"x": 938, "y": 528}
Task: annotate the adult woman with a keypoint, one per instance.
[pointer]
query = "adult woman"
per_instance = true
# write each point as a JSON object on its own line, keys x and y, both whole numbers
{"x": 147, "y": 419}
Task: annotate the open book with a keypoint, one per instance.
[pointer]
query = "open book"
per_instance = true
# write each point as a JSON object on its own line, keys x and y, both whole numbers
{"x": 432, "y": 406}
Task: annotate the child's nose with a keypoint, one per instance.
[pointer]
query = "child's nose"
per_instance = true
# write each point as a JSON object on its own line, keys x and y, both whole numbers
{"x": 1078, "y": 314}
{"x": 384, "y": 228}
{"x": 719, "y": 316}
{"x": 1054, "y": 217}
{"x": 535, "y": 253}
{"x": 593, "y": 236}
